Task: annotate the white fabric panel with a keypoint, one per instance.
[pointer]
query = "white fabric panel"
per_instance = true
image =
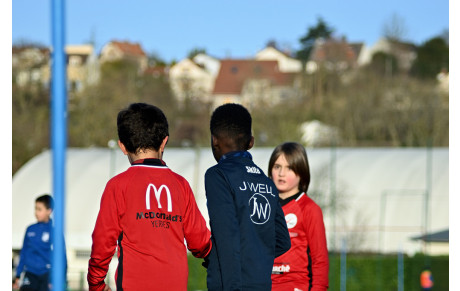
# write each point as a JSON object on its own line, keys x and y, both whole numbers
{"x": 365, "y": 178}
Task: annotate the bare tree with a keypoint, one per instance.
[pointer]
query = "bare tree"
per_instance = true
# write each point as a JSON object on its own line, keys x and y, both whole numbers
{"x": 395, "y": 28}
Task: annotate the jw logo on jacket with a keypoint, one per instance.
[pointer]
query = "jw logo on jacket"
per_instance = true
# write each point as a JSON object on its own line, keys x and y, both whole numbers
{"x": 260, "y": 209}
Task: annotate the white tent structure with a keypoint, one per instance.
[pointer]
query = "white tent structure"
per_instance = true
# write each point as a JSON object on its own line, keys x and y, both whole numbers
{"x": 380, "y": 193}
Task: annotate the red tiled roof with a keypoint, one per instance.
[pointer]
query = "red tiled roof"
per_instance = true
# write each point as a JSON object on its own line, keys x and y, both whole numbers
{"x": 233, "y": 74}
{"x": 131, "y": 49}
{"x": 333, "y": 50}
{"x": 20, "y": 49}
{"x": 156, "y": 71}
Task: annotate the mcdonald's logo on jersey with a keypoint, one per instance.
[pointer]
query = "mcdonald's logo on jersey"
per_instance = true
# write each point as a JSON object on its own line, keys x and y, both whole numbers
{"x": 157, "y": 196}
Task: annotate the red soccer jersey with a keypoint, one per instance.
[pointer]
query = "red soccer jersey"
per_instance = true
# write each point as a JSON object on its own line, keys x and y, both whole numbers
{"x": 148, "y": 211}
{"x": 306, "y": 264}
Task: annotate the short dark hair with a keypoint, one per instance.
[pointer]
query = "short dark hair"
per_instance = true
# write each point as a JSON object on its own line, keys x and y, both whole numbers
{"x": 142, "y": 126}
{"x": 232, "y": 121}
{"x": 47, "y": 200}
{"x": 296, "y": 156}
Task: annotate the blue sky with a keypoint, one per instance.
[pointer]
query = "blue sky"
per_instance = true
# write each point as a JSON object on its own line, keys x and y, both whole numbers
{"x": 224, "y": 28}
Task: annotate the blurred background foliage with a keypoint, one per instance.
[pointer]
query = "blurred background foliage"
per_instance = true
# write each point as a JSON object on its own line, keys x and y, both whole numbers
{"x": 373, "y": 106}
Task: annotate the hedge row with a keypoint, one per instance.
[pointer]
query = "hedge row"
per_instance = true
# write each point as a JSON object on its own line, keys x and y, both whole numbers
{"x": 363, "y": 272}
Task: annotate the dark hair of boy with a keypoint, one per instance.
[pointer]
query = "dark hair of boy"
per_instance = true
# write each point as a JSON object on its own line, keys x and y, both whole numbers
{"x": 142, "y": 126}
{"x": 296, "y": 156}
{"x": 225, "y": 126}
{"x": 47, "y": 200}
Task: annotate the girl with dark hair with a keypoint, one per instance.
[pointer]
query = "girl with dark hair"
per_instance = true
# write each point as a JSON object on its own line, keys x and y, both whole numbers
{"x": 306, "y": 265}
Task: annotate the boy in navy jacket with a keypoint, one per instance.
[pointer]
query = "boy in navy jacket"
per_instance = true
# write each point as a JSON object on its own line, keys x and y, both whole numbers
{"x": 247, "y": 223}
{"x": 35, "y": 256}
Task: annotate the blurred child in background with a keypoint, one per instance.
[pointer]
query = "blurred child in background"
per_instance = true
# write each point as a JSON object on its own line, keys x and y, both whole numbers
{"x": 35, "y": 256}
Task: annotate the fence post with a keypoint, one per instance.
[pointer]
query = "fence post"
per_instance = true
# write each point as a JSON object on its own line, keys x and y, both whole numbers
{"x": 400, "y": 270}
{"x": 343, "y": 266}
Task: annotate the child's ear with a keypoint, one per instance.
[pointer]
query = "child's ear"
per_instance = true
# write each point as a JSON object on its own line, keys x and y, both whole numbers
{"x": 122, "y": 147}
{"x": 214, "y": 141}
{"x": 251, "y": 143}
{"x": 163, "y": 144}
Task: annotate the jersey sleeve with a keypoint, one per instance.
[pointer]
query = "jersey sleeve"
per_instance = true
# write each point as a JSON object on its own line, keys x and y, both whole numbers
{"x": 196, "y": 232}
{"x": 224, "y": 228}
{"x": 283, "y": 241}
{"x": 105, "y": 235}
{"x": 316, "y": 236}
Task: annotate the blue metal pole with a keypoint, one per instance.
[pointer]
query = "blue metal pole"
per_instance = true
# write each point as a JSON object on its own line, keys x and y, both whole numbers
{"x": 58, "y": 141}
{"x": 343, "y": 266}
{"x": 400, "y": 270}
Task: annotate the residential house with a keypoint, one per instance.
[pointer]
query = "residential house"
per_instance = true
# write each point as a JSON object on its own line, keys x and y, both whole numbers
{"x": 82, "y": 66}
{"x": 30, "y": 65}
{"x": 252, "y": 82}
{"x": 189, "y": 79}
{"x": 362, "y": 52}
{"x": 443, "y": 86}
{"x": 335, "y": 55}
{"x": 119, "y": 50}
{"x": 404, "y": 52}
{"x": 443, "y": 81}
{"x": 210, "y": 64}
{"x": 157, "y": 71}
{"x": 286, "y": 63}
{"x": 437, "y": 242}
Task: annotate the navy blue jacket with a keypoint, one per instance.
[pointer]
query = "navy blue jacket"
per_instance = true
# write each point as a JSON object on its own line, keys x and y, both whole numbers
{"x": 36, "y": 252}
{"x": 248, "y": 228}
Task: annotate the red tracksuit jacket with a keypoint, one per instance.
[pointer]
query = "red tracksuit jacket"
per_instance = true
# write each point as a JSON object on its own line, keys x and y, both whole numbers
{"x": 148, "y": 211}
{"x": 306, "y": 265}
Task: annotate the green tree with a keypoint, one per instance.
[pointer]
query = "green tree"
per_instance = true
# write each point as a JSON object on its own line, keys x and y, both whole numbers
{"x": 272, "y": 43}
{"x": 191, "y": 124}
{"x": 92, "y": 114}
{"x": 432, "y": 58}
{"x": 403, "y": 111}
{"x": 395, "y": 28}
{"x": 156, "y": 60}
{"x": 321, "y": 30}
{"x": 384, "y": 64}
{"x": 30, "y": 126}
{"x": 196, "y": 51}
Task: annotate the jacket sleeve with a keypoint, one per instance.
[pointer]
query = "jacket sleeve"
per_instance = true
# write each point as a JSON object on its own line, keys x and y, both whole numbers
{"x": 283, "y": 241}
{"x": 23, "y": 254}
{"x": 316, "y": 236}
{"x": 224, "y": 228}
{"x": 105, "y": 235}
{"x": 196, "y": 232}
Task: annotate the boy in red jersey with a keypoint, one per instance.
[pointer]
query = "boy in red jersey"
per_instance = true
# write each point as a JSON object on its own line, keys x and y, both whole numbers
{"x": 147, "y": 211}
{"x": 306, "y": 265}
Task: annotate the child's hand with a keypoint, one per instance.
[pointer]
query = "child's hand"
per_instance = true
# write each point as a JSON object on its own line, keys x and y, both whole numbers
{"x": 16, "y": 284}
{"x": 107, "y": 288}
{"x": 206, "y": 262}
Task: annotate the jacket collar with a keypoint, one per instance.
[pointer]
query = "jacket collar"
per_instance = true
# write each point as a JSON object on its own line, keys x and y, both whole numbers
{"x": 289, "y": 199}
{"x": 149, "y": 162}
{"x": 236, "y": 154}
